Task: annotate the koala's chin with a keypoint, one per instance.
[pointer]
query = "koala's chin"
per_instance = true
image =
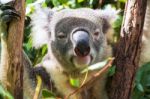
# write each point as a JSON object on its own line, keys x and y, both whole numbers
{"x": 82, "y": 62}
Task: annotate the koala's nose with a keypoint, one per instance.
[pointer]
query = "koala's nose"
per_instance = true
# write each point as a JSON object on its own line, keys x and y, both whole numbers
{"x": 81, "y": 43}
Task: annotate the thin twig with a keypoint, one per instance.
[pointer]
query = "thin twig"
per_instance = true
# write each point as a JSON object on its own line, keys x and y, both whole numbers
{"x": 93, "y": 79}
{"x": 38, "y": 87}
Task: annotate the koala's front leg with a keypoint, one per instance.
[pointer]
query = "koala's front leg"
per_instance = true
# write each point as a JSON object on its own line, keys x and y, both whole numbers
{"x": 7, "y": 14}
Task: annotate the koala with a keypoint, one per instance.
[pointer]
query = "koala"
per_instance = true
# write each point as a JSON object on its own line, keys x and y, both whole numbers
{"x": 76, "y": 38}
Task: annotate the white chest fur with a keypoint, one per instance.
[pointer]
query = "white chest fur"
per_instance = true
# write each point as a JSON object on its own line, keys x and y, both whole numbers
{"x": 59, "y": 78}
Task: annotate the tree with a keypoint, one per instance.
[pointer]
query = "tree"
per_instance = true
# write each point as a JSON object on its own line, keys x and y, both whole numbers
{"x": 12, "y": 53}
{"x": 128, "y": 50}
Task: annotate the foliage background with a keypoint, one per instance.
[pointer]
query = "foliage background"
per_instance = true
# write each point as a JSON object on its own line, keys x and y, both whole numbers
{"x": 142, "y": 81}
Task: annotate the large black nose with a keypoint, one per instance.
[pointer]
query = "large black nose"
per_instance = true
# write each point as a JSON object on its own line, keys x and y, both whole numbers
{"x": 81, "y": 43}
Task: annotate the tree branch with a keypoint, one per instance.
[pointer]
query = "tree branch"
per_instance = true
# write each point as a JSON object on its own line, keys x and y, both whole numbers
{"x": 128, "y": 50}
{"x": 14, "y": 50}
{"x": 93, "y": 79}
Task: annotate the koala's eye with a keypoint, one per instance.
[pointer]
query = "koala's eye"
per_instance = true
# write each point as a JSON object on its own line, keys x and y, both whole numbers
{"x": 96, "y": 33}
{"x": 61, "y": 35}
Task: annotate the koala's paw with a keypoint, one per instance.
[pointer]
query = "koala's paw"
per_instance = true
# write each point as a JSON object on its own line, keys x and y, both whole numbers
{"x": 44, "y": 75}
{"x": 8, "y": 13}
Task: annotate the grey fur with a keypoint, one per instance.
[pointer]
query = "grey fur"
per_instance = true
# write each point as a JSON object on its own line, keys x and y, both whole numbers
{"x": 69, "y": 20}
{"x": 62, "y": 59}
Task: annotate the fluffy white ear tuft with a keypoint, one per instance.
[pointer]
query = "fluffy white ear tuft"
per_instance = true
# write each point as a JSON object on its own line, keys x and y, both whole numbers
{"x": 40, "y": 26}
{"x": 108, "y": 14}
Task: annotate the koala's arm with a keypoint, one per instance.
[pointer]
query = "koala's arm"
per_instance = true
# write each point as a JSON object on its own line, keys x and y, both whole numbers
{"x": 30, "y": 77}
{"x": 40, "y": 34}
{"x": 145, "y": 53}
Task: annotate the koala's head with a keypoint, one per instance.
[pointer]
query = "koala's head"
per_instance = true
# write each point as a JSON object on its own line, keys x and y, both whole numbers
{"x": 76, "y": 37}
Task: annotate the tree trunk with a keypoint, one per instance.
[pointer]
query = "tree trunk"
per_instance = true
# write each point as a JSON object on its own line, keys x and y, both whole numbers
{"x": 13, "y": 53}
{"x": 128, "y": 50}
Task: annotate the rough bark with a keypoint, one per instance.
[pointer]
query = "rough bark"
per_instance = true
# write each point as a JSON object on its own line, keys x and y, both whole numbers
{"x": 128, "y": 50}
{"x": 14, "y": 52}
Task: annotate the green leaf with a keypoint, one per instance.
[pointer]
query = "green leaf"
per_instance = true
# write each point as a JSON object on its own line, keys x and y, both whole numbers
{"x": 123, "y": 1}
{"x": 63, "y": 1}
{"x": 48, "y": 94}
{"x": 55, "y": 3}
{"x": 96, "y": 66}
{"x": 5, "y": 94}
{"x": 142, "y": 83}
{"x": 44, "y": 4}
{"x": 118, "y": 22}
{"x": 29, "y": 1}
{"x": 140, "y": 87}
{"x": 44, "y": 49}
{"x": 75, "y": 82}
{"x": 112, "y": 71}
{"x": 79, "y": 1}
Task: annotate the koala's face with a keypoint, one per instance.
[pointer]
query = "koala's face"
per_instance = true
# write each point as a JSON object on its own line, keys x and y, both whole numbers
{"x": 78, "y": 42}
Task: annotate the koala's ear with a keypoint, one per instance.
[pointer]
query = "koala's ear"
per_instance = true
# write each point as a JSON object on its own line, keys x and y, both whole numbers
{"x": 40, "y": 31}
{"x": 108, "y": 16}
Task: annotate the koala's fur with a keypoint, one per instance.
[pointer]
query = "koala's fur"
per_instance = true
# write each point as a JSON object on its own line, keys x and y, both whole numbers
{"x": 57, "y": 65}
{"x": 46, "y": 25}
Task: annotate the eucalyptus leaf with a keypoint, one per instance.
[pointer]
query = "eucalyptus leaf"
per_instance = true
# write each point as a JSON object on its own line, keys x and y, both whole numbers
{"x": 48, "y": 94}
{"x": 75, "y": 82}
{"x": 79, "y": 1}
{"x": 122, "y": 1}
{"x": 140, "y": 87}
{"x": 5, "y": 94}
{"x": 112, "y": 71}
{"x": 96, "y": 66}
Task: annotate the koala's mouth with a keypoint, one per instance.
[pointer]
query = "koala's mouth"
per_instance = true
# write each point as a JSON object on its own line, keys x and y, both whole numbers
{"x": 81, "y": 62}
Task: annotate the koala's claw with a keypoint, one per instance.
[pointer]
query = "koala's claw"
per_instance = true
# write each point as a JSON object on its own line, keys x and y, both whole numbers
{"x": 8, "y": 14}
{"x": 5, "y": 7}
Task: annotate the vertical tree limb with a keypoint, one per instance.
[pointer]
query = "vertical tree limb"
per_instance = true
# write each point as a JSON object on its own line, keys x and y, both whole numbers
{"x": 14, "y": 50}
{"x": 128, "y": 50}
